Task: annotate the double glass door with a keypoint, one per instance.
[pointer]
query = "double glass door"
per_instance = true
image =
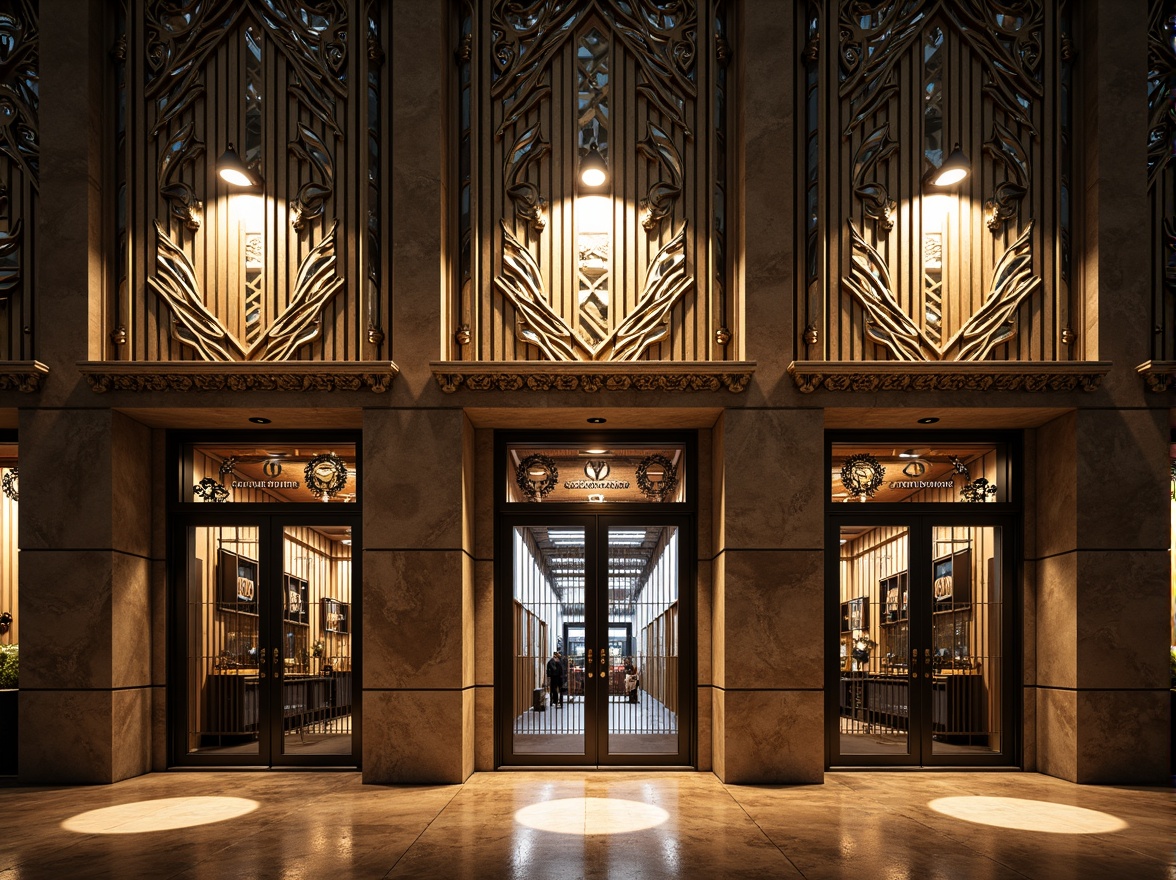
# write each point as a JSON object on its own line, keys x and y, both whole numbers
{"x": 922, "y": 650}
{"x": 264, "y": 641}
{"x": 593, "y": 618}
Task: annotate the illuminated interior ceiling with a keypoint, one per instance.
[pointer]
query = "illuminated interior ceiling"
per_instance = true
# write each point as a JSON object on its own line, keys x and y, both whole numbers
{"x": 8, "y": 455}
{"x": 632, "y": 553}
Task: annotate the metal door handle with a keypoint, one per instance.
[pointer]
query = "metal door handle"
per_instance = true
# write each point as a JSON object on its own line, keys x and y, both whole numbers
{"x": 588, "y": 665}
{"x": 261, "y": 663}
{"x": 603, "y": 662}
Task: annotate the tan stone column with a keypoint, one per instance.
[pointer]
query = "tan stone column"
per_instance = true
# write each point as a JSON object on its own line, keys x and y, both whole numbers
{"x": 418, "y": 600}
{"x": 86, "y": 611}
{"x": 768, "y": 600}
{"x": 1101, "y": 625}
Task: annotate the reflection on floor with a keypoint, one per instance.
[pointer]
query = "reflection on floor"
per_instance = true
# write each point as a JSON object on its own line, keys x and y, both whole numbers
{"x": 645, "y": 727}
{"x": 977, "y": 826}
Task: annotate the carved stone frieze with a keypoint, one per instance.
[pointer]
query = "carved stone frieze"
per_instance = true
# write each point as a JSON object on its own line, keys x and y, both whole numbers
{"x": 1006, "y": 376}
{"x": 655, "y": 376}
{"x": 22, "y": 376}
{"x": 193, "y": 376}
{"x": 1158, "y": 375}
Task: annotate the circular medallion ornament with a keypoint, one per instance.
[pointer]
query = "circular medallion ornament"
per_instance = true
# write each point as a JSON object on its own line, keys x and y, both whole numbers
{"x": 11, "y": 484}
{"x": 209, "y": 489}
{"x": 326, "y": 475}
{"x": 657, "y": 477}
{"x": 536, "y": 476}
{"x": 861, "y": 475}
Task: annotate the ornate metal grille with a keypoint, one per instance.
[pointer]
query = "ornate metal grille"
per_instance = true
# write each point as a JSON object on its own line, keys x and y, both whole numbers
{"x": 1161, "y": 172}
{"x": 20, "y": 157}
{"x": 644, "y": 80}
{"x": 977, "y": 272}
{"x": 212, "y": 274}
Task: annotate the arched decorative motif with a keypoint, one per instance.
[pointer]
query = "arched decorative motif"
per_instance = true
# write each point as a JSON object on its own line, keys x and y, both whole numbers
{"x": 896, "y": 269}
{"x": 209, "y": 273}
{"x": 545, "y": 273}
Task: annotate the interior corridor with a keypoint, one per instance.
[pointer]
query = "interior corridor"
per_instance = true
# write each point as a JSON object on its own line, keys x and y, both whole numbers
{"x": 591, "y": 825}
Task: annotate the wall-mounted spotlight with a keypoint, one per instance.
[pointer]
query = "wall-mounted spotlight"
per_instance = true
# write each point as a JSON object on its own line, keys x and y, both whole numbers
{"x": 232, "y": 170}
{"x": 593, "y": 168}
{"x": 954, "y": 169}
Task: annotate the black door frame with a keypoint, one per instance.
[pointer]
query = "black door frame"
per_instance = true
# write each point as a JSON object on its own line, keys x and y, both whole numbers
{"x": 270, "y": 519}
{"x": 920, "y": 518}
{"x": 590, "y": 516}
{"x": 596, "y": 624}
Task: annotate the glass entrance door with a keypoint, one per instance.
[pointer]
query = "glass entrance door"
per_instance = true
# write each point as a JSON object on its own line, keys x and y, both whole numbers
{"x": 593, "y": 673}
{"x": 921, "y": 646}
{"x": 265, "y": 642}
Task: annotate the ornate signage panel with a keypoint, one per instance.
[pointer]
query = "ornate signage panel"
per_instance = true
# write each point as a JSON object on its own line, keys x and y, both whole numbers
{"x": 920, "y": 470}
{"x": 595, "y": 474}
{"x": 253, "y": 473}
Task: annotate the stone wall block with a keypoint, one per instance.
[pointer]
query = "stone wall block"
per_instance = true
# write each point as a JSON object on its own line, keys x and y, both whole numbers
{"x": 414, "y": 623}
{"x": 773, "y": 737}
{"x": 414, "y": 737}
{"x": 773, "y": 612}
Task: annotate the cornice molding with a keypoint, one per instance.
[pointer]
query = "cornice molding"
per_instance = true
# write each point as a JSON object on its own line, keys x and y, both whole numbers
{"x": 591, "y": 377}
{"x": 870, "y": 376}
{"x": 185, "y": 376}
{"x": 1158, "y": 374}
{"x": 23, "y": 376}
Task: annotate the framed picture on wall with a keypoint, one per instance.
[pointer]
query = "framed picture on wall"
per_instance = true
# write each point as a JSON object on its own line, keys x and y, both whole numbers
{"x": 336, "y": 616}
{"x": 237, "y": 586}
{"x": 295, "y": 605}
{"x": 859, "y": 613}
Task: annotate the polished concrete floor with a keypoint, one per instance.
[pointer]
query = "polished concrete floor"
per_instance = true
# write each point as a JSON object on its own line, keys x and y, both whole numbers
{"x": 886, "y": 825}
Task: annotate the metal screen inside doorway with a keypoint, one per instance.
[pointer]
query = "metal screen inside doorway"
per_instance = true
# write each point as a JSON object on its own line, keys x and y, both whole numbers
{"x": 595, "y": 659}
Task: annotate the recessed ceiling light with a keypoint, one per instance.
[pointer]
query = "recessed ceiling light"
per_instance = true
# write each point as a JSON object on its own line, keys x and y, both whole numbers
{"x": 929, "y": 420}
{"x": 259, "y": 420}
{"x": 597, "y": 420}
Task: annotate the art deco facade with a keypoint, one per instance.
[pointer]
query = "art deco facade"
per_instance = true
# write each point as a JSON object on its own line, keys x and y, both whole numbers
{"x": 322, "y": 469}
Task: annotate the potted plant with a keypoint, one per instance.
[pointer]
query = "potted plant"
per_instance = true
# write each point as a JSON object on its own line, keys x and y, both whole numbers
{"x": 9, "y": 675}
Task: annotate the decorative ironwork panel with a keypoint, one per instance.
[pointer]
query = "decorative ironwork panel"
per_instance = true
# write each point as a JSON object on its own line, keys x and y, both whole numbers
{"x": 897, "y": 268}
{"x": 635, "y": 269}
{"x": 1161, "y": 172}
{"x": 292, "y": 268}
{"x": 20, "y": 159}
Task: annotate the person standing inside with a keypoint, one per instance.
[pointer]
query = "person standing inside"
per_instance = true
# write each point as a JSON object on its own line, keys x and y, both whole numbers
{"x": 555, "y": 679}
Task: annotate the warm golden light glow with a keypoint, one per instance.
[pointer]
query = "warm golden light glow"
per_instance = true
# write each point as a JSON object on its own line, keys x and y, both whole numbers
{"x": 586, "y": 816}
{"x": 593, "y": 215}
{"x": 949, "y": 176}
{"x": 235, "y": 177}
{"x": 1022, "y": 814}
{"x": 163, "y": 814}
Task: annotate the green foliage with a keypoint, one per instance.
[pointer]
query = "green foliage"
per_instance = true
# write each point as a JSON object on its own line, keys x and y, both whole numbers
{"x": 1173, "y": 664}
{"x": 9, "y": 666}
